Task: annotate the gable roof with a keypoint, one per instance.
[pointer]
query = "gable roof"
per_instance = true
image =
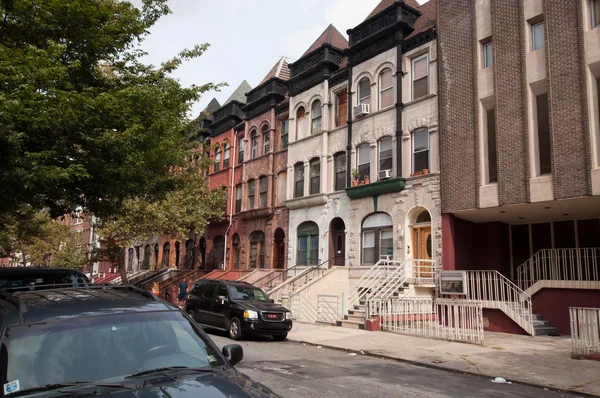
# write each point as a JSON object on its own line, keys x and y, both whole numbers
{"x": 239, "y": 94}
{"x": 331, "y": 36}
{"x": 280, "y": 70}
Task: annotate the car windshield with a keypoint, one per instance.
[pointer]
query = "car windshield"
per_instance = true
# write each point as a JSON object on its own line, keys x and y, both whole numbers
{"x": 103, "y": 348}
{"x": 42, "y": 279}
{"x": 247, "y": 293}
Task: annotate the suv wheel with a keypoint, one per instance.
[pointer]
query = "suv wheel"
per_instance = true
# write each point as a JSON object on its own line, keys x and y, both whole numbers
{"x": 279, "y": 337}
{"x": 235, "y": 329}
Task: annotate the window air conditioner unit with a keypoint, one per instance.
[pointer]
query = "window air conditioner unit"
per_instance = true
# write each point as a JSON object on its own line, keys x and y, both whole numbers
{"x": 385, "y": 174}
{"x": 362, "y": 110}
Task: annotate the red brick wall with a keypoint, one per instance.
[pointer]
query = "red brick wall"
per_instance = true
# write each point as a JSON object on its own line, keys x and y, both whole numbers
{"x": 498, "y": 321}
{"x": 553, "y": 305}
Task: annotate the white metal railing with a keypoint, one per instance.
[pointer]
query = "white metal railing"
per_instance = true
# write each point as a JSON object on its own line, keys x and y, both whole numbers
{"x": 419, "y": 271}
{"x": 494, "y": 290}
{"x": 560, "y": 265}
{"x": 302, "y": 309}
{"x": 439, "y": 318}
{"x": 328, "y": 307}
{"x": 585, "y": 330}
{"x": 371, "y": 279}
{"x": 292, "y": 284}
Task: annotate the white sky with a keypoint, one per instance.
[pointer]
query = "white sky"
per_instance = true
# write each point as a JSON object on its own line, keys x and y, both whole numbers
{"x": 247, "y": 37}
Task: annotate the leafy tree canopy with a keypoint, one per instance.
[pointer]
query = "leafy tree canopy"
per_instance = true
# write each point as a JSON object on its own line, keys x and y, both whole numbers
{"x": 83, "y": 122}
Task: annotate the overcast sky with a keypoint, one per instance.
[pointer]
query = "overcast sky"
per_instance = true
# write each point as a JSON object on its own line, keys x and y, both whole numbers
{"x": 247, "y": 37}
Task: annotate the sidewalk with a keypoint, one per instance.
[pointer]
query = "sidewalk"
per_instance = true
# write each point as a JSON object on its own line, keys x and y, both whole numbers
{"x": 544, "y": 361}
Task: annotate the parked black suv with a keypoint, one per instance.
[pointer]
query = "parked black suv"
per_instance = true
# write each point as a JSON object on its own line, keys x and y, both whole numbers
{"x": 237, "y": 307}
{"x": 27, "y": 278}
{"x": 111, "y": 340}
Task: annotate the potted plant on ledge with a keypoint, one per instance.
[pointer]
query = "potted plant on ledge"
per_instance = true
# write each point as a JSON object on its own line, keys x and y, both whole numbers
{"x": 356, "y": 176}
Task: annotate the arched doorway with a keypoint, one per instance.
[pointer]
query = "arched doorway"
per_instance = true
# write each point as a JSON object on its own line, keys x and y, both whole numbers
{"x": 337, "y": 242}
{"x": 166, "y": 255}
{"x": 377, "y": 238}
{"x": 279, "y": 249}
{"x": 203, "y": 252}
{"x": 147, "y": 256}
{"x": 130, "y": 260}
{"x": 218, "y": 251}
{"x": 155, "y": 264}
{"x": 190, "y": 253}
{"x": 257, "y": 249}
{"x": 308, "y": 244}
{"x": 420, "y": 222}
{"x": 236, "y": 251}
{"x": 177, "y": 254}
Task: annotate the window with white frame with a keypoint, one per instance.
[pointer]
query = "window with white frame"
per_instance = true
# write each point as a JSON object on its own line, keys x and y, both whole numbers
{"x": 420, "y": 150}
{"x": 226, "y": 155}
{"x": 254, "y": 143}
{"x": 298, "y": 180}
{"x": 217, "y": 160}
{"x": 386, "y": 88}
{"x": 339, "y": 160}
{"x": 420, "y": 76}
{"x": 537, "y": 36}
{"x": 364, "y": 161}
{"x": 315, "y": 176}
{"x": 262, "y": 182}
{"x": 284, "y": 134}
{"x": 488, "y": 54}
{"x": 316, "y": 116}
{"x": 377, "y": 237}
{"x": 241, "y": 145}
{"x": 364, "y": 91}
{"x": 266, "y": 140}
{"x": 595, "y": 12}
{"x": 238, "y": 198}
{"x": 385, "y": 154}
{"x": 251, "y": 192}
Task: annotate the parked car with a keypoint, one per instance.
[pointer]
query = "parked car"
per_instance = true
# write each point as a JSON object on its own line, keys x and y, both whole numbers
{"x": 238, "y": 308}
{"x": 102, "y": 340}
{"x": 22, "y": 278}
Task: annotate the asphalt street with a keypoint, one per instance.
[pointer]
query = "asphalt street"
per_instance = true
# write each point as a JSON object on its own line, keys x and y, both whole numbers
{"x": 296, "y": 370}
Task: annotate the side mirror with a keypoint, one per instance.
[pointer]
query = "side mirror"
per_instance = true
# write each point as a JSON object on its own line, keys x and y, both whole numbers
{"x": 233, "y": 353}
{"x": 222, "y": 299}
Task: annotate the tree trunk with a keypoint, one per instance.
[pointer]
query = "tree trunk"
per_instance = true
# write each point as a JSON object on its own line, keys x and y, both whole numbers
{"x": 122, "y": 269}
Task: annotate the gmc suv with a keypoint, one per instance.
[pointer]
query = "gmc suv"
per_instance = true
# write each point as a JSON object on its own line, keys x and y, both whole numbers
{"x": 238, "y": 308}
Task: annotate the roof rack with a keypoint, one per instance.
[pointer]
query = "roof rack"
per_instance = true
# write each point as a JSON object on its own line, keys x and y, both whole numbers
{"x": 54, "y": 287}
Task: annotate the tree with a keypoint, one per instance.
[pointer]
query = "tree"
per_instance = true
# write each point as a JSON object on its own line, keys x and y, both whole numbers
{"x": 191, "y": 205}
{"x": 83, "y": 122}
{"x": 70, "y": 254}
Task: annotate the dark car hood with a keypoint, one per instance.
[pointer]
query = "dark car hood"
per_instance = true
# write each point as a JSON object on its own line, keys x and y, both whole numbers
{"x": 229, "y": 383}
{"x": 262, "y": 306}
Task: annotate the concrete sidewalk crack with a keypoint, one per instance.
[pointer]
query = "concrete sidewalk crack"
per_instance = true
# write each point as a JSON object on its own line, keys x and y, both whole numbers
{"x": 464, "y": 357}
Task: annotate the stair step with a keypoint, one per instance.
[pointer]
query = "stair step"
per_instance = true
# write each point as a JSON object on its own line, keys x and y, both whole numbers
{"x": 540, "y": 323}
{"x": 357, "y": 312}
{"x": 358, "y": 318}
{"x": 544, "y": 330}
{"x": 351, "y": 324}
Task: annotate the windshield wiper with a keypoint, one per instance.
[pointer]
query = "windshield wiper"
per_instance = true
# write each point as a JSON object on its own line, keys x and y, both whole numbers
{"x": 169, "y": 368}
{"x": 54, "y": 386}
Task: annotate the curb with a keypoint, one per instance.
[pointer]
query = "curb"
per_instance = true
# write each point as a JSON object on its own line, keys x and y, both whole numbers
{"x": 445, "y": 369}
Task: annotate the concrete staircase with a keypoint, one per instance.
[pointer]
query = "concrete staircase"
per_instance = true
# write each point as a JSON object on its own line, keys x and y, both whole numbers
{"x": 542, "y": 327}
{"x": 355, "y": 319}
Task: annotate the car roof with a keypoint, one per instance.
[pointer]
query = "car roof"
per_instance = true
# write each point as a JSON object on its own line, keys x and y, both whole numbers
{"x": 228, "y": 283}
{"x": 34, "y": 306}
{"x": 35, "y": 270}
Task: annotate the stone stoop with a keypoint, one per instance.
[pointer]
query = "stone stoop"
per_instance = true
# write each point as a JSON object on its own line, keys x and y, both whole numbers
{"x": 542, "y": 327}
{"x": 355, "y": 318}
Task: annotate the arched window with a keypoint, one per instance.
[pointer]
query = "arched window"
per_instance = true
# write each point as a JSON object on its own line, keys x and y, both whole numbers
{"x": 300, "y": 123}
{"x": 364, "y": 91}
{"x": 166, "y": 255}
{"x": 299, "y": 180}
{"x": 190, "y": 252}
{"x": 266, "y": 139}
{"x": 147, "y": 256}
{"x": 340, "y": 170}
{"x": 315, "y": 176}
{"x": 217, "y": 159}
{"x": 316, "y": 116}
{"x": 257, "y": 249}
{"x": 363, "y": 161}
{"x": 377, "y": 238}
{"x": 385, "y": 155}
{"x": 308, "y": 244}
{"x": 130, "y": 260}
{"x": 226, "y": 156}
{"x": 386, "y": 88}
{"x": 423, "y": 217}
{"x": 254, "y": 143}
{"x": 251, "y": 193}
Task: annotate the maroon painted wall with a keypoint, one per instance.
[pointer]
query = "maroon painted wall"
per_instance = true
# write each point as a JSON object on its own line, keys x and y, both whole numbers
{"x": 498, "y": 321}
{"x": 470, "y": 246}
{"x": 553, "y": 305}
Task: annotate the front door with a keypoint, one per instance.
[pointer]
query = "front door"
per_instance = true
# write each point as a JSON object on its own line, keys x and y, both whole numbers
{"x": 422, "y": 251}
{"x": 339, "y": 256}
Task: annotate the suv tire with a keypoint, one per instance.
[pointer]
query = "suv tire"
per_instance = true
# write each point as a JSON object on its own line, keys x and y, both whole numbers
{"x": 280, "y": 337}
{"x": 234, "y": 329}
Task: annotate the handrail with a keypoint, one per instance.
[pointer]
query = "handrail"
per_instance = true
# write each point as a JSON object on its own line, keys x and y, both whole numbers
{"x": 574, "y": 264}
{"x": 295, "y": 268}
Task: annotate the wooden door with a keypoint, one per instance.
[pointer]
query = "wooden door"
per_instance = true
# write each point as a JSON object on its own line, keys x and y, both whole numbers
{"x": 422, "y": 247}
{"x": 339, "y": 247}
